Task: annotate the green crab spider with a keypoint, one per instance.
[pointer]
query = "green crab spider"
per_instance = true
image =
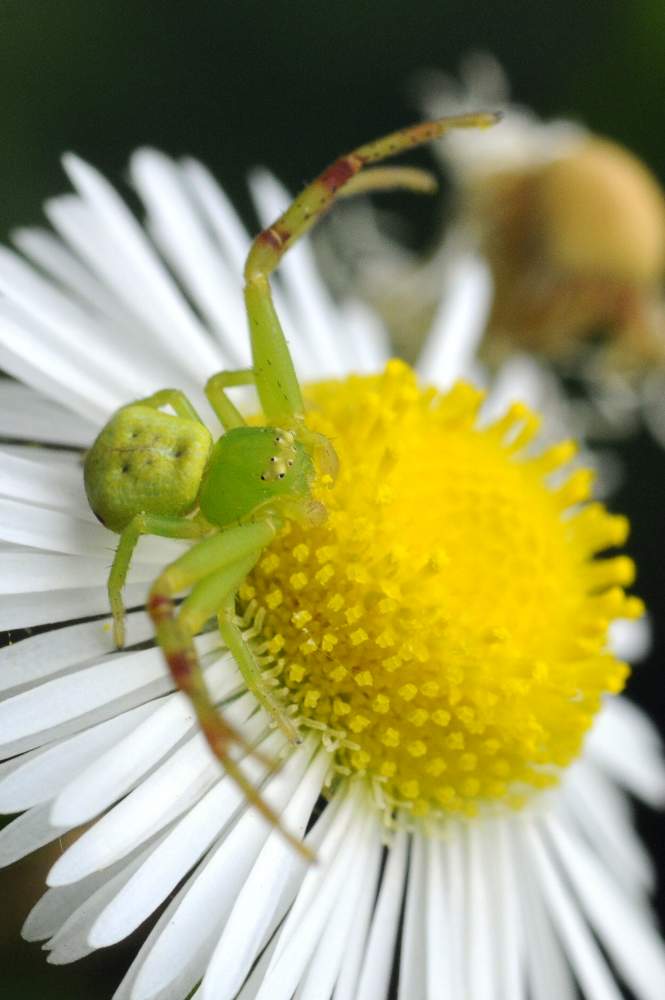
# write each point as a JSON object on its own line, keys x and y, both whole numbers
{"x": 155, "y": 473}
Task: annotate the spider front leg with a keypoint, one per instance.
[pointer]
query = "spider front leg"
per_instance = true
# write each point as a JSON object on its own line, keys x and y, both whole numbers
{"x": 214, "y": 568}
{"x": 276, "y": 382}
{"x": 243, "y": 654}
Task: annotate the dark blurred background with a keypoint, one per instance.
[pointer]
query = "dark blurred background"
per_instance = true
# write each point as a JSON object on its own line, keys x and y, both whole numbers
{"x": 290, "y": 84}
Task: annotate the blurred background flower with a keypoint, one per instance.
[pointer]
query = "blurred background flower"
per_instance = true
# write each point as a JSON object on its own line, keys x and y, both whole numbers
{"x": 570, "y": 227}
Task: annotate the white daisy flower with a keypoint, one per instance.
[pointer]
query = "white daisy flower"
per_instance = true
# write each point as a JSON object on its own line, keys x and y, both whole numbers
{"x": 442, "y": 639}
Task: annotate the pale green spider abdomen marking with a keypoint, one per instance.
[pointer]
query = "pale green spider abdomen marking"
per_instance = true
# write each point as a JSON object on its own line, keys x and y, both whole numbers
{"x": 251, "y": 467}
{"x": 145, "y": 462}
{"x": 155, "y": 473}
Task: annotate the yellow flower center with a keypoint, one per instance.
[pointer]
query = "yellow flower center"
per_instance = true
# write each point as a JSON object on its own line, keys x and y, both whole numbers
{"x": 446, "y": 626}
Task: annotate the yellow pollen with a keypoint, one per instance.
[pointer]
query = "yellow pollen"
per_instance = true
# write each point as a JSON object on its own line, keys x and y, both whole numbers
{"x": 448, "y": 621}
{"x": 381, "y": 704}
{"x": 301, "y": 618}
{"x": 274, "y": 598}
{"x": 325, "y": 574}
{"x": 364, "y": 678}
{"x": 329, "y": 642}
{"x": 296, "y": 673}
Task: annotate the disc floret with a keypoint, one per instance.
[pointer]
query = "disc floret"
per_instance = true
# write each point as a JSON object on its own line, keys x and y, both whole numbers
{"x": 446, "y": 627}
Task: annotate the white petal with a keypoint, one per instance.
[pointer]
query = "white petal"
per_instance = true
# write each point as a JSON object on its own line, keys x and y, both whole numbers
{"x": 316, "y": 840}
{"x": 175, "y": 855}
{"x": 60, "y": 487}
{"x": 36, "y": 777}
{"x": 75, "y": 532}
{"x": 413, "y": 959}
{"x": 591, "y": 970}
{"x": 70, "y": 942}
{"x": 341, "y": 927}
{"x": 301, "y": 934}
{"x": 219, "y": 213}
{"x": 23, "y": 835}
{"x": 31, "y": 572}
{"x": 549, "y": 974}
{"x": 177, "y": 988}
{"x": 48, "y": 607}
{"x": 114, "y": 773}
{"x": 456, "y": 870}
{"x": 251, "y": 988}
{"x": 459, "y": 324}
{"x": 26, "y": 335}
{"x": 357, "y": 929}
{"x": 175, "y": 786}
{"x": 374, "y": 977}
{"x": 259, "y": 898}
{"x": 155, "y": 297}
{"x": 118, "y": 770}
{"x": 521, "y": 378}
{"x": 642, "y": 771}
{"x": 140, "y": 331}
{"x": 351, "y": 802}
{"x": 629, "y": 639}
{"x": 368, "y": 344}
{"x": 482, "y": 961}
{"x": 189, "y": 249}
{"x": 78, "y": 335}
{"x": 596, "y": 806}
{"x": 622, "y": 720}
{"x": 506, "y": 915}
{"x": 51, "y": 255}
{"x": 57, "y": 905}
{"x": 61, "y": 454}
{"x": 183, "y": 947}
{"x": 438, "y": 952}
{"x": 26, "y": 357}
{"x": 41, "y": 656}
{"x": 29, "y": 415}
{"x": 625, "y": 929}
{"x": 35, "y": 714}
{"x": 53, "y": 530}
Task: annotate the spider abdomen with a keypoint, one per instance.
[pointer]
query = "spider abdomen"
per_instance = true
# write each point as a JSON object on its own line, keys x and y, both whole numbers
{"x": 145, "y": 462}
